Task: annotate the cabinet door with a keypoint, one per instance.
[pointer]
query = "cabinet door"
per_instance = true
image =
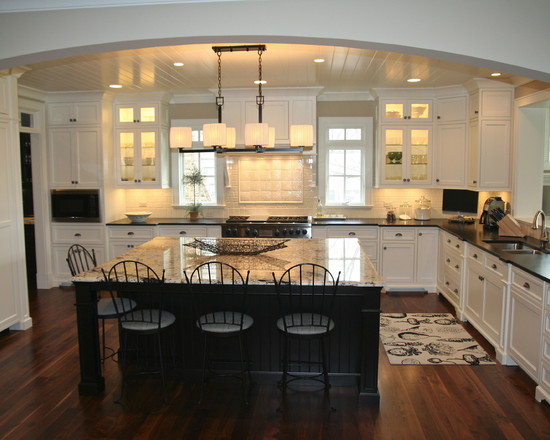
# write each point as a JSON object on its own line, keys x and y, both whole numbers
{"x": 426, "y": 256}
{"x": 138, "y": 158}
{"x": 398, "y": 263}
{"x": 60, "y": 267}
{"x": 494, "y": 309}
{"x": 87, "y": 157}
{"x": 451, "y": 109}
{"x": 60, "y": 157}
{"x": 474, "y": 291}
{"x": 63, "y": 113}
{"x": 451, "y": 155}
{"x": 395, "y": 110}
{"x": 126, "y": 114}
{"x": 495, "y": 151}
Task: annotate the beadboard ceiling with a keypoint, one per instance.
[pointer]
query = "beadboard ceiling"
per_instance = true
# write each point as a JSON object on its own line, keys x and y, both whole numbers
{"x": 345, "y": 69}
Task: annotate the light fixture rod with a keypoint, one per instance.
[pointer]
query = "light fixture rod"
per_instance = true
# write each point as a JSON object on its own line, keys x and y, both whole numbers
{"x": 244, "y": 48}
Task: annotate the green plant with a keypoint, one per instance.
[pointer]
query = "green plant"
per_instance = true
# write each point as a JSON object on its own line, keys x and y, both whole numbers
{"x": 194, "y": 179}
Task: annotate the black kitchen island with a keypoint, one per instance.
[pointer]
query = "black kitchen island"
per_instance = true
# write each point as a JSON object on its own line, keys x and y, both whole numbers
{"x": 353, "y": 346}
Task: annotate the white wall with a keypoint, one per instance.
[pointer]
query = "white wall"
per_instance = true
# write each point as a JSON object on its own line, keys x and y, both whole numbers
{"x": 506, "y": 35}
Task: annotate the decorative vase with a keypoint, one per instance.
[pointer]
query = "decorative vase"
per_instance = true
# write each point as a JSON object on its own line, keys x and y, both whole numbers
{"x": 193, "y": 215}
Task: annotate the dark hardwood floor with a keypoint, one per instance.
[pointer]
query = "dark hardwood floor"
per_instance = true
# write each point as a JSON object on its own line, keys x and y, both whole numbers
{"x": 40, "y": 399}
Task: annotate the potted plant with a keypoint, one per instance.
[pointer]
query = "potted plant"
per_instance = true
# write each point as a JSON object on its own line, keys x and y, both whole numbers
{"x": 194, "y": 179}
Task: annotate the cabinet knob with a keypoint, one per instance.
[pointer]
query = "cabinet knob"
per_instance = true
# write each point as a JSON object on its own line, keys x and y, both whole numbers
{"x": 481, "y": 278}
{"x": 455, "y": 291}
{"x": 475, "y": 181}
{"x": 494, "y": 266}
{"x": 352, "y": 234}
{"x": 439, "y": 117}
{"x": 78, "y": 234}
{"x": 457, "y": 266}
{"x": 457, "y": 246}
{"x": 183, "y": 232}
{"x": 475, "y": 256}
{"x": 385, "y": 248}
{"x": 448, "y": 240}
{"x": 437, "y": 180}
{"x": 130, "y": 233}
{"x": 448, "y": 260}
{"x": 446, "y": 283}
{"x": 420, "y": 234}
{"x": 526, "y": 285}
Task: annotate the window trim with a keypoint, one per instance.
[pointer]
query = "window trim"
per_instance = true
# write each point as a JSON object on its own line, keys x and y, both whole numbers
{"x": 177, "y": 165}
{"x": 367, "y": 167}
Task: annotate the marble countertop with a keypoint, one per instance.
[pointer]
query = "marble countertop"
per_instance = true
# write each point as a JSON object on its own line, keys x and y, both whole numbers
{"x": 176, "y": 255}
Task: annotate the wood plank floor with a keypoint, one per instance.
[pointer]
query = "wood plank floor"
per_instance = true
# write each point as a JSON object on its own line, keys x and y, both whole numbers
{"x": 40, "y": 400}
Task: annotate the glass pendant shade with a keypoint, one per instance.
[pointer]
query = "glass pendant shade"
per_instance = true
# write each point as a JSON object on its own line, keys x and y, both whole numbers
{"x": 181, "y": 137}
{"x": 231, "y": 137}
{"x": 256, "y": 134}
{"x": 301, "y": 135}
{"x": 214, "y": 135}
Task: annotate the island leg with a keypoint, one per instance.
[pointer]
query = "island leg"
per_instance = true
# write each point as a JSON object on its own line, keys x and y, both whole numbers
{"x": 91, "y": 379}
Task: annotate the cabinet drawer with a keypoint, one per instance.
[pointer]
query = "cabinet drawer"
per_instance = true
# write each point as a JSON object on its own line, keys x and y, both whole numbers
{"x": 496, "y": 265}
{"x": 183, "y": 231}
{"x": 452, "y": 261}
{"x": 453, "y": 242}
{"x": 528, "y": 284}
{"x": 366, "y": 233}
{"x": 398, "y": 234}
{"x": 476, "y": 256}
{"x": 78, "y": 234}
{"x": 139, "y": 232}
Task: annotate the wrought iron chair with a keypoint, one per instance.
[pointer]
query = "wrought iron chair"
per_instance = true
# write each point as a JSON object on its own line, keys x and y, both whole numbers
{"x": 80, "y": 259}
{"x": 147, "y": 319}
{"x": 305, "y": 295}
{"x": 219, "y": 299}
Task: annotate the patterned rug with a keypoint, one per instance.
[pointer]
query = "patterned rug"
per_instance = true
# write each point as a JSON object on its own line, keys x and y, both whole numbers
{"x": 429, "y": 339}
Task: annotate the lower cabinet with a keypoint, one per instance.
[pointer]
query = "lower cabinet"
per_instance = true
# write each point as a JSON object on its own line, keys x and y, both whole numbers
{"x": 189, "y": 231}
{"x": 124, "y": 238}
{"x": 543, "y": 389}
{"x": 451, "y": 270}
{"x": 485, "y": 297}
{"x": 409, "y": 258}
{"x": 525, "y": 324}
{"x": 64, "y": 235}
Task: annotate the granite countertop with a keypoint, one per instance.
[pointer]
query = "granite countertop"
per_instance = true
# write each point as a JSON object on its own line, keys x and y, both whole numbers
{"x": 176, "y": 255}
{"x": 535, "y": 264}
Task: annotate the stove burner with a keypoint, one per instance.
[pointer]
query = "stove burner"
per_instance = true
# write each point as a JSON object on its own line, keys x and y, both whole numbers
{"x": 237, "y": 218}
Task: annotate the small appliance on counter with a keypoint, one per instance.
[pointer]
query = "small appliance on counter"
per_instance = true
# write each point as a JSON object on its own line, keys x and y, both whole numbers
{"x": 423, "y": 209}
{"x": 489, "y": 218}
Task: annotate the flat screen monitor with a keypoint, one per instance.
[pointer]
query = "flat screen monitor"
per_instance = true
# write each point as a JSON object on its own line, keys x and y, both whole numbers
{"x": 460, "y": 201}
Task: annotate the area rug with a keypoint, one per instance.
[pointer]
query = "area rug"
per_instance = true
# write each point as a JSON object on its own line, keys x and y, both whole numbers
{"x": 429, "y": 339}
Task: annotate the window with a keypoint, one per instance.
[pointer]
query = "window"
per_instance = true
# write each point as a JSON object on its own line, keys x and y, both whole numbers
{"x": 345, "y": 153}
{"x": 211, "y": 192}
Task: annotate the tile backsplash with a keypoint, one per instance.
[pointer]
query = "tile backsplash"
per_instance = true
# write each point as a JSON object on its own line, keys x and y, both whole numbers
{"x": 282, "y": 185}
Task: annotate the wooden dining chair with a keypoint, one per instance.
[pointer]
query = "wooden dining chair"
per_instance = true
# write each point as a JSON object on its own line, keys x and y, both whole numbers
{"x": 305, "y": 294}
{"x": 219, "y": 303}
{"x": 133, "y": 282}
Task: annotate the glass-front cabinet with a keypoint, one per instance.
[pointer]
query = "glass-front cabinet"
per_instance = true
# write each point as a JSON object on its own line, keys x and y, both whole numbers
{"x": 399, "y": 110}
{"x": 136, "y": 114}
{"x": 406, "y": 156}
{"x": 138, "y": 152}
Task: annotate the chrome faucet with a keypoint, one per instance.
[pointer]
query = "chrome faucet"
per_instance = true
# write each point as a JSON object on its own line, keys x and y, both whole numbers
{"x": 543, "y": 233}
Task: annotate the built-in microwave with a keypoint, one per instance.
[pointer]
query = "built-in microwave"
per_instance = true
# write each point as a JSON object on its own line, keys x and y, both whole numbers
{"x": 75, "y": 205}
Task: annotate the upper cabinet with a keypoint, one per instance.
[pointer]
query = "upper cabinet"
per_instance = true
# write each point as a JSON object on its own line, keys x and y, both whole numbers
{"x": 490, "y": 135}
{"x": 74, "y": 113}
{"x": 412, "y": 110}
{"x": 141, "y": 143}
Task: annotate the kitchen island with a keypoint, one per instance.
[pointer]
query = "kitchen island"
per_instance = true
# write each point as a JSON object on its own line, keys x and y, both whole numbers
{"x": 354, "y": 343}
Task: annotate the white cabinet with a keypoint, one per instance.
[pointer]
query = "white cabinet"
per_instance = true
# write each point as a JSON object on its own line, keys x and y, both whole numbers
{"x": 451, "y": 270}
{"x": 406, "y": 155}
{"x": 74, "y": 113}
{"x": 399, "y": 110}
{"x": 367, "y": 235}
{"x": 409, "y": 258}
{"x": 486, "y": 297}
{"x": 189, "y": 231}
{"x": 490, "y": 143}
{"x": 74, "y": 156}
{"x": 451, "y": 109}
{"x": 64, "y": 235}
{"x": 125, "y": 238}
{"x": 525, "y": 322}
{"x": 543, "y": 389}
{"x": 141, "y": 144}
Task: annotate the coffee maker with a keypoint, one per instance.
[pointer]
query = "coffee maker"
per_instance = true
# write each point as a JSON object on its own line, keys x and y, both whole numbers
{"x": 491, "y": 204}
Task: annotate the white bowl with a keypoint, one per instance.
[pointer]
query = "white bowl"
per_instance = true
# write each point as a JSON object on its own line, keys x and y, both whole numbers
{"x": 138, "y": 217}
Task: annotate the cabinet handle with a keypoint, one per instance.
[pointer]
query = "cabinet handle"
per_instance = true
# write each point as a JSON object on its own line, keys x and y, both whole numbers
{"x": 351, "y": 234}
{"x": 399, "y": 234}
{"x": 494, "y": 266}
{"x": 448, "y": 260}
{"x": 455, "y": 291}
{"x": 130, "y": 233}
{"x": 439, "y": 117}
{"x": 446, "y": 283}
{"x": 448, "y": 240}
{"x": 78, "y": 234}
{"x": 457, "y": 266}
{"x": 183, "y": 232}
{"x": 526, "y": 285}
{"x": 474, "y": 181}
{"x": 475, "y": 256}
{"x": 481, "y": 278}
{"x": 457, "y": 246}
{"x": 420, "y": 234}
{"x": 385, "y": 248}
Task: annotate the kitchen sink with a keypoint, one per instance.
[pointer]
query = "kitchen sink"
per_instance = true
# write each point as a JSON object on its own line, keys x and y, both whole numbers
{"x": 516, "y": 247}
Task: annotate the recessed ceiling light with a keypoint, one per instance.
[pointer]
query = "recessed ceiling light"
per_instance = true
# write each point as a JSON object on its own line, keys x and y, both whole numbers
{"x": 319, "y": 60}
{"x": 178, "y": 64}
{"x": 115, "y": 86}
{"x": 496, "y": 74}
{"x": 414, "y": 80}
{"x": 263, "y": 81}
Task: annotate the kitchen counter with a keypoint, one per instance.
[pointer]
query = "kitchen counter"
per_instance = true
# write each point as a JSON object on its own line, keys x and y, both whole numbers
{"x": 537, "y": 265}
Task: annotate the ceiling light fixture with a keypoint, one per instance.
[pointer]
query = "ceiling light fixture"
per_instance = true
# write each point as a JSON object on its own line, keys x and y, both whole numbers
{"x": 496, "y": 74}
{"x": 414, "y": 80}
{"x": 179, "y": 64}
{"x": 258, "y": 137}
{"x": 319, "y": 60}
{"x": 115, "y": 86}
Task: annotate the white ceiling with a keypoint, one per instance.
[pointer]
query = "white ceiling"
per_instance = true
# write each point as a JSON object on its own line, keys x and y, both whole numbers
{"x": 284, "y": 65}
